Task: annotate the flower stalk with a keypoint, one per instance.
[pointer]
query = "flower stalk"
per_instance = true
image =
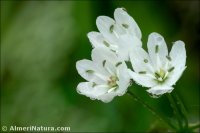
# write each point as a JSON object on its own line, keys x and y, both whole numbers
{"x": 158, "y": 115}
{"x": 182, "y": 109}
{"x": 195, "y": 126}
{"x": 175, "y": 109}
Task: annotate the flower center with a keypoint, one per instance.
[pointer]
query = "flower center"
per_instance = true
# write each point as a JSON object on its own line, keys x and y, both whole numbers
{"x": 160, "y": 75}
{"x": 112, "y": 82}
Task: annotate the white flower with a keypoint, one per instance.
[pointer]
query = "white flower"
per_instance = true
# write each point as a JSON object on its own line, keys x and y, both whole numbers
{"x": 107, "y": 76}
{"x": 157, "y": 69}
{"x": 119, "y": 35}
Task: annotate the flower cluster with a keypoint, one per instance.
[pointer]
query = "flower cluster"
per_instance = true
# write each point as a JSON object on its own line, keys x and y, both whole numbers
{"x": 119, "y": 41}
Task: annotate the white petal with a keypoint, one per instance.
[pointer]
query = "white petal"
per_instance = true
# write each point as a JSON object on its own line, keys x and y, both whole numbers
{"x": 130, "y": 40}
{"x": 160, "y": 89}
{"x": 109, "y": 67}
{"x": 104, "y": 24}
{"x": 96, "y": 39}
{"x": 140, "y": 60}
{"x": 174, "y": 76}
{"x": 142, "y": 79}
{"x": 124, "y": 79}
{"x": 99, "y": 55}
{"x": 96, "y": 76}
{"x": 178, "y": 54}
{"x": 107, "y": 97}
{"x": 126, "y": 44}
{"x": 123, "y": 18}
{"x": 87, "y": 89}
{"x": 157, "y": 47}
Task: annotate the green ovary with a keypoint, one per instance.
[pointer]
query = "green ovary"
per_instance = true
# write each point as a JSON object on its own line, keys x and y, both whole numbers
{"x": 160, "y": 75}
{"x": 112, "y": 82}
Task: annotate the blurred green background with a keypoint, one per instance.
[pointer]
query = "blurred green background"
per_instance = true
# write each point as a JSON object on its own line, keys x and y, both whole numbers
{"x": 41, "y": 42}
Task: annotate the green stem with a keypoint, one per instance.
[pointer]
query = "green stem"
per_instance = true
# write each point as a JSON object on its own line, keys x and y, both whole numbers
{"x": 182, "y": 109}
{"x": 152, "y": 110}
{"x": 195, "y": 126}
{"x": 176, "y": 112}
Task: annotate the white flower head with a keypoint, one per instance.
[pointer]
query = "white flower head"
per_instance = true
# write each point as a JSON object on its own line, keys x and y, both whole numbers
{"x": 158, "y": 69}
{"x": 120, "y": 34}
{"x": 107, "y": 76}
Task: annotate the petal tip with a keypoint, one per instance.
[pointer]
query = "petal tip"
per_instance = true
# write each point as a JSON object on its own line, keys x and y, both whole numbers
{"x": 180, "y": 42}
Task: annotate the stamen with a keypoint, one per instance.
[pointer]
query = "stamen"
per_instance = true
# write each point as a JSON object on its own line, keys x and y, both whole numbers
{"x": 119, "y": 63}
{"x": 156, "y": 49}
{"x": 125, "y": 26}
{"x": 104, "y": 62}
{"x": 111, "y": 89}
{"x": 170, "y": 69}
{"x": 113, "y": 50}
{"x": 106, "y": 43}
{"x": 142, "y": 72}
{"x": 145, "y": 61}
{"x": 157, "y": 75}
{"x": 90, "y": 71}
{"x": 111, "y": 28}
{"x": 94, "y": 84}
{"x": 168, "y": 57}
